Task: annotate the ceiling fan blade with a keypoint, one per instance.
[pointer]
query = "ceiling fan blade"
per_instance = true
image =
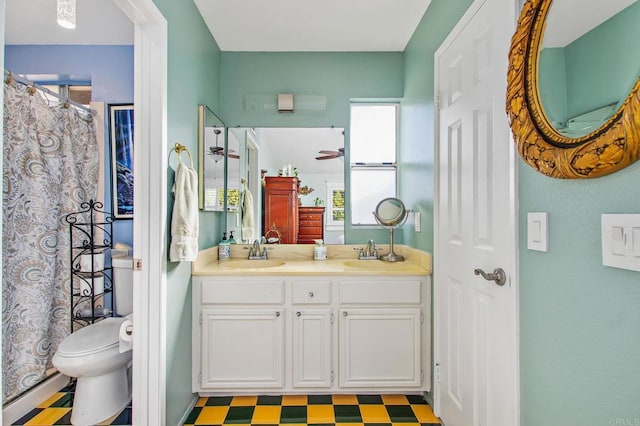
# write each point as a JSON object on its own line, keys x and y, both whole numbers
{"x": 327, "y": 152}
{"x": 328, "y": 157}
{"x": 236, "y": 156}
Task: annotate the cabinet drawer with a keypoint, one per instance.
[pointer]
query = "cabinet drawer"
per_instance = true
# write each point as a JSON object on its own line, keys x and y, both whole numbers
{"x": 310, "y": 232}
{"x": 316, "y": 217}
{"x": 311, "y": 292}
{"x": 380, "y": 292}
{"x": 311, "y": 223}
{"x": 240, "y": 292}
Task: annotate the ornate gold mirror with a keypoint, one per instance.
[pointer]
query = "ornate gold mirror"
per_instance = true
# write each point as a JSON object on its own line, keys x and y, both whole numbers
{"x": 562, "y": 129}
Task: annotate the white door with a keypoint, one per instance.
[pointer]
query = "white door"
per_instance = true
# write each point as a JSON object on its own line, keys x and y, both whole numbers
{"x": 380, "y": 347}
{"x": 242, "y": 348}
{"x": 476, "y": 371}
{"x": 312, "y": 339}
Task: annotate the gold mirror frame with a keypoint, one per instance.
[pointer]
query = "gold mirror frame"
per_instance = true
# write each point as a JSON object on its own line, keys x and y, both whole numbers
{"x": 611, "y": 147}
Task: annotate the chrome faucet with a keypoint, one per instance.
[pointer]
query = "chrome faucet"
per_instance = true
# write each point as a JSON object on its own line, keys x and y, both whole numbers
{"x": 370, "y": 252}
{"x": 256, "y": 252}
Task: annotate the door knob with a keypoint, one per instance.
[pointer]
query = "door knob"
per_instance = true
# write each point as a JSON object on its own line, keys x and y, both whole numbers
{"x": 497, "y": 275}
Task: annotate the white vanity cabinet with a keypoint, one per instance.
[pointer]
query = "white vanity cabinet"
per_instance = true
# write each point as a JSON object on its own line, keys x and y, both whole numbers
{"x": 238, "y": 333}
{"x": 303, "y": 333}
{"x": 381, "y": 333}
{"x": 311, "y": 333}
{"x": 242, "y": 348}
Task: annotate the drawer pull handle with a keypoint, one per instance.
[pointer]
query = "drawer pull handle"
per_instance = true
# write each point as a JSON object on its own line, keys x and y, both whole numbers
{"x": 298, "y": 313}
{"x": 345, "y": 313}
{"x": 277, "y": 314}
{"x": 310, "y": 294}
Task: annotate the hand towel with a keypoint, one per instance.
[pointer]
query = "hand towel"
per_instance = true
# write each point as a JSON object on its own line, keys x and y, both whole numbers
{"x": 184, "y": 219}
{"x": 248, "y": 221}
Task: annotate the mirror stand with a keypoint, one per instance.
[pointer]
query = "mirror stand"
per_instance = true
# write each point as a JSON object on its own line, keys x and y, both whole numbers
{"x": 391, "y": 256}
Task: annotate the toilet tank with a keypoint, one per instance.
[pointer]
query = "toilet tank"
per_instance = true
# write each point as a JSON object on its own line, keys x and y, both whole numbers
{"x": 123, "y": 284}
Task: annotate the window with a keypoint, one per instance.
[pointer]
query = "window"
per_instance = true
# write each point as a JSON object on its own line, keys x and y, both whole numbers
{"x": 373, "y": 142}
{"x": 335, "y": 205}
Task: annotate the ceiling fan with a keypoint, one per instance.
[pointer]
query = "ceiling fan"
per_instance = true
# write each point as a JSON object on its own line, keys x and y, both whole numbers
{"x": 328, "y": 155}
{"x": 218, "y": 152}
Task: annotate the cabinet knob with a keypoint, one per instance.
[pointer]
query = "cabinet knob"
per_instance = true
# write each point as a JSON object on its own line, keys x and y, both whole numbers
{"x": 345, "y": 313}
{"x": 298, "y": 313}
{"x": 310, "y": 294}
{"x": 277, "y": 313}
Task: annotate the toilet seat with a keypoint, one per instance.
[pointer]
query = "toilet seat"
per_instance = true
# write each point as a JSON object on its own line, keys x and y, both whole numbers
{"x": 99, "y": 337}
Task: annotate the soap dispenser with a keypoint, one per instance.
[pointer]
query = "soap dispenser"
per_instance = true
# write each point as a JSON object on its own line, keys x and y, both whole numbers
{"x": 224, "y": 249}
{"x": 320, "y": 251}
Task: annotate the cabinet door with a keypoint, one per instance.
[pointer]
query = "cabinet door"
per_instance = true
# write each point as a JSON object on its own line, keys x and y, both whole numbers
{"x": 312, "y": 348}
{"x": 380, "y": 347}
{"x": 242, "y": 348}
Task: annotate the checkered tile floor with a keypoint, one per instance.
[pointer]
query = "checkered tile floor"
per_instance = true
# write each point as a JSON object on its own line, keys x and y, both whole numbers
{"x": 57, "y": 411}
{"x": 325, "y": 410}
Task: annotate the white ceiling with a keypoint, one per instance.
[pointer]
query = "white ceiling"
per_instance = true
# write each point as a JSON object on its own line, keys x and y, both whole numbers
{"x": 97, "y": 22}
{"x": 568, "y": 20}
{"x": 237, "y": 25}
{"x": 304, "y": 25}
{"x": 300, "y": 146}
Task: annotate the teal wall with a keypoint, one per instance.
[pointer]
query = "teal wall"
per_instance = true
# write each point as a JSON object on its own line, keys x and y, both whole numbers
{"x": 417, "y": 115}
{"x": 579, "y": 320}
{"x": 339, "y": 77}
{"x": 193, "y": 78}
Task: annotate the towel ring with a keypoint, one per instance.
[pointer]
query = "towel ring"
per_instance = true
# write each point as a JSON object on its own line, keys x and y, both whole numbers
{"x": 274, "y": 235}
{"x": 179, "y": 149}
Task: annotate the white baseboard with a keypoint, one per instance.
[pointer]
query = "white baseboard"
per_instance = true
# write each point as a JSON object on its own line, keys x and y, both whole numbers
{"x": 30, "y": 400}
{"x": 192, "y": 404}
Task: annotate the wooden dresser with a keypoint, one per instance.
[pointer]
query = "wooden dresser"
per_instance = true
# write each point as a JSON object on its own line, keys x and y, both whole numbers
{"x": 281, "y": 207}
{"x": 310, "y": 224}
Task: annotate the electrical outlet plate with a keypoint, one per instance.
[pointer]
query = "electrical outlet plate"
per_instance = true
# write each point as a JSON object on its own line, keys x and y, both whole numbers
{"x": 416, "y": 221}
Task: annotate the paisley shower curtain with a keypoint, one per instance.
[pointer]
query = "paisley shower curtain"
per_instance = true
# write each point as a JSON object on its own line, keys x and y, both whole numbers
{"x": 50, "y": 168}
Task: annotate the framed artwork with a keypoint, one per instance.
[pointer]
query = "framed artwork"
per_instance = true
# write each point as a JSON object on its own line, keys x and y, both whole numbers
{"x": 121, "y": 127}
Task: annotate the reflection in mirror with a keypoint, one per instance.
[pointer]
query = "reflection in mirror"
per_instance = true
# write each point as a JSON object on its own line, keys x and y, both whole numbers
{"x": 587, "y": 66}
{"x": 211, "y": 148}
{"x": 294, "y": 178}
{"x": 392, "y": 214}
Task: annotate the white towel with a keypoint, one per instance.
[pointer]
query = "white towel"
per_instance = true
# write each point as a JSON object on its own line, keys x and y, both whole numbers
{"x": 184, "y": 219}
{"x": 248, "y": 221}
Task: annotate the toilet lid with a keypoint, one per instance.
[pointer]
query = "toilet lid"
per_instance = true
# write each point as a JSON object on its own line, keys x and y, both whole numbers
{"x": 93, "y": 338}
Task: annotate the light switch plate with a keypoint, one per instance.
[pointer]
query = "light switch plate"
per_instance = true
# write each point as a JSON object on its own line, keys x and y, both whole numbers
{"x": 537, "y": 231}
{"x": 417, "y": 217}
{"x": 621, "y": 241}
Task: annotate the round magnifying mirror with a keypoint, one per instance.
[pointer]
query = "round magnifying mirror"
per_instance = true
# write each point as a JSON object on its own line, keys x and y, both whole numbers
{"x": 391, "y": 213}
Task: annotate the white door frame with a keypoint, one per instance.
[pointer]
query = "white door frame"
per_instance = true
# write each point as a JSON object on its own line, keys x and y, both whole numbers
{"x": 150, "y": 223}
{"x": 512, "y": 227}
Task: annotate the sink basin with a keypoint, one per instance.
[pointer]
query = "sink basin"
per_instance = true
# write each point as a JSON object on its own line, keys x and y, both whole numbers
{"x": 373, "y": 264}
{"x": 251, "y": 264}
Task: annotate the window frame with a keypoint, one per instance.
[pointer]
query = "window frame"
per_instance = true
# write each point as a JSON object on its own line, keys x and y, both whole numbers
{"x": 330, "y": 224}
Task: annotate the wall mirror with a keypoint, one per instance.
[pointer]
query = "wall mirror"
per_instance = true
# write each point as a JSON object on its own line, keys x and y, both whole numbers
{"x": 212, "y": 164}
{"x": 573, "y": 91}
{"x": 280, "y": 166}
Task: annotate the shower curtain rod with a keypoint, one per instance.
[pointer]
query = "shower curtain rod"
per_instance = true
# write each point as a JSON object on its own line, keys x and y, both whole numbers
{"x": 10, "y": 76}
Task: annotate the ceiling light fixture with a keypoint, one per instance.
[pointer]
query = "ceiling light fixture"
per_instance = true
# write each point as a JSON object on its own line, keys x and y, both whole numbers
{"x": 66, "y": 13}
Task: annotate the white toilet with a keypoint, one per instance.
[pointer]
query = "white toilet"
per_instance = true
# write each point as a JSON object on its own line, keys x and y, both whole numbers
{"x": 92, "y": 355}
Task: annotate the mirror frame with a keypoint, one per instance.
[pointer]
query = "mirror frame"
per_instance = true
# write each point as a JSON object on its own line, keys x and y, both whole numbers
{"x": 611, "y": 147}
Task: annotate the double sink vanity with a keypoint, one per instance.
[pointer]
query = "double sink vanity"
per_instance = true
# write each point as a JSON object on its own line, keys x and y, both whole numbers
{"x": 289, "y": 324}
